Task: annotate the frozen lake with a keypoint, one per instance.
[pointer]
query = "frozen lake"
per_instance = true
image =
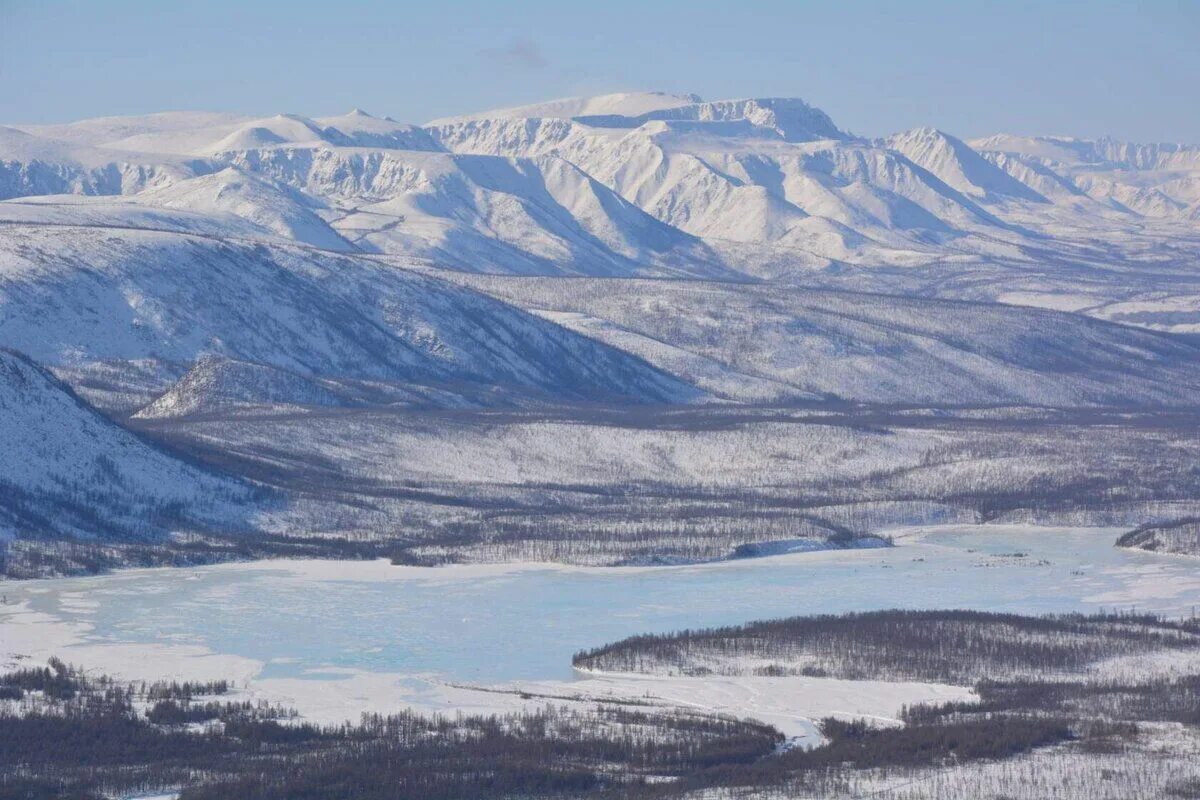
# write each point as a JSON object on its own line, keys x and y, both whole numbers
{"x": 492, "y": 624}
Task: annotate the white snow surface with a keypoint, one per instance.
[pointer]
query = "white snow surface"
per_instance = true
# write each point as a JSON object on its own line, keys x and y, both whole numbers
{"x": 57, "y": 448}
{"x": 77, "y": 294}
{"x": 754, "y": 209}
{"x": 773, "y": 175}
{"x": 626, "y": 104}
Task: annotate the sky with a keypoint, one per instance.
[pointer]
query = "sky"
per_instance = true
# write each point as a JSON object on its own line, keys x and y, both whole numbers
{"x": 972, "y": 68}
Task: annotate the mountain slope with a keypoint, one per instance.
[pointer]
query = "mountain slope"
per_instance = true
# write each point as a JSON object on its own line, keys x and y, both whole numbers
{"x": 127, "y": 212}
{"x": 1150, "y": 180}
{"x": 216, "y": 384}
{"x": 72, "y": 472}
{"x": 960, "y": 167}
{"x": 788, "y": 118}
{"x": 802, "y": 343}
{"x": 758, "y": 172}
{"x": 487, "y": 214}
{"x": 358, "y": 182}
{"x": 268, "y": 205}
{"x": 359, "y": 129}
{"x": 113, "y": 131}
{"x": 655, "y": 185}
{"x": 72, "y": 295}
{"x": 221, "y": 387}
{"x": 34, "y": 165}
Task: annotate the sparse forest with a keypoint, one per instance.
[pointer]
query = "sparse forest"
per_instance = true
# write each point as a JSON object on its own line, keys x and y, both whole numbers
{"x": 1179, "y": 536}
{"x": 959, "y": 647}
{"x": 63, "y": 733}
{"x": 617, "y": 487}
{"x": 1068, "y": 706}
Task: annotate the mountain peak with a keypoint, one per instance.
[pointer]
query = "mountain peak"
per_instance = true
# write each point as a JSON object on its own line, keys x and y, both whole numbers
{"x": 924, "y": 132}
{"x": 618, "y": 104}
{"x": 957, "y": 165}
{"x": 791, "y": 117}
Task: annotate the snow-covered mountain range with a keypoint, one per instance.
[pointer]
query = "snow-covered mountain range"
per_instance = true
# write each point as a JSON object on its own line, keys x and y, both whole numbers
{"x": 630, "y": 249}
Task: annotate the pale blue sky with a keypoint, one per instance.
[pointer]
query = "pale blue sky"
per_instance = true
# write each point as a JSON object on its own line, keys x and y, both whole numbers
{"x": 1127, "y": 69}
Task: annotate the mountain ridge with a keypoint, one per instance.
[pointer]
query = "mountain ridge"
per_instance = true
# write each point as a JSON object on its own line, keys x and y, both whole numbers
{"x": 494, "y": 328}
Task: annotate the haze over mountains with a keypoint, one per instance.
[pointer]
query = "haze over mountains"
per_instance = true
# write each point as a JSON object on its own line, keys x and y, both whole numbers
{"x": 628, "y": 250}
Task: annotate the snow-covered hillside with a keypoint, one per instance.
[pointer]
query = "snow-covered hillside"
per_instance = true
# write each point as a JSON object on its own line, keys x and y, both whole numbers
{"x": 1149, "y": 180}
{"x": 960, "y": 167}
{"x": 67, "y": 470}
{"x": 1181, "y": 536}
{"x": 758, "y": 172}
{"x": 217, "y": 281}
{"x": 761, "y": 343}
{"x": 645, "y": 184}
{"x": 114, "y": 220}
{"x": 216, "y": 386}
{"x": 270, "y": 206}
{"x": 73, "y": 295}
{"x": 1090, "y": 226}
{"x": 360, "y": 183}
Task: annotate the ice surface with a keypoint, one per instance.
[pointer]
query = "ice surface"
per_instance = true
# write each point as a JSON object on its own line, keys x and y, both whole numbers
{"x": 346, "y": 636}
